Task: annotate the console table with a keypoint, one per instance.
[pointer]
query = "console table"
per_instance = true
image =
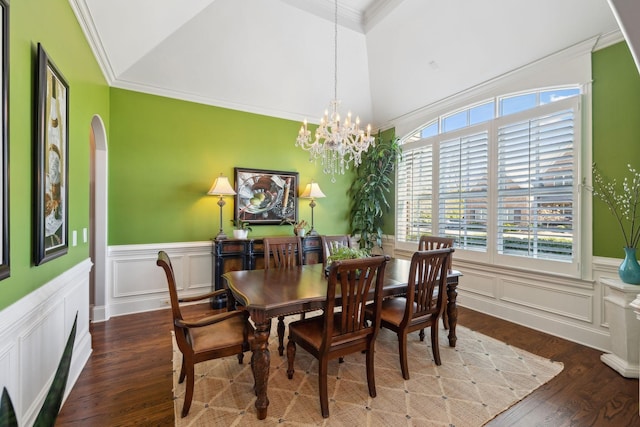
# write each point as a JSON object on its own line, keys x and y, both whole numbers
{"x": 248, "y": 254}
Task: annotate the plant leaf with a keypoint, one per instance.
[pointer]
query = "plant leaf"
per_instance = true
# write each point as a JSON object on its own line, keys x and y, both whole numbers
{"x": 49, "y": 411}
{"x": 7, "y": 413}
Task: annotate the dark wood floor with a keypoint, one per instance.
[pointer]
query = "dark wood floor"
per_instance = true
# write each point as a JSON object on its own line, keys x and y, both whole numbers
{"x": 127, "y": 381}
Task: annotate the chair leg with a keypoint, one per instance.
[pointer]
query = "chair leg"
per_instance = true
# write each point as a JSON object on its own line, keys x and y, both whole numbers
{"x": 434, "y": 342}
{"x": 421, "y": 334}
{"x": 371, "y": 378}
{"x": 291, "y": 356}
{"x": 240, "y": 358}
{"x": 402, "y": 350}
{"x": 188, "y": 395}
{"x": 182, "y": 372}
{"x": 445, "y": 318}
{"x": 281, "y": 335}
{"x": 322, "y": 387}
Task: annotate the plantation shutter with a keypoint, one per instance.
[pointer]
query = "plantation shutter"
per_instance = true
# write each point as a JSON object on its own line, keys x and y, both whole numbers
{"x": 415, "y": 193}
{"x": 535, "y": 186}
{"x": 462, "y": 210}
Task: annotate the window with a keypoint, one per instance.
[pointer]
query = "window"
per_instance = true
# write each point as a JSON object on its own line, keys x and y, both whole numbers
{"x": 499, "y": 177}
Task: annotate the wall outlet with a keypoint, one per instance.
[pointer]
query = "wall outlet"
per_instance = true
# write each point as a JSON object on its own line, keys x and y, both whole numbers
{"x": 74, "y": 238}
{"x": 85, "y": 234}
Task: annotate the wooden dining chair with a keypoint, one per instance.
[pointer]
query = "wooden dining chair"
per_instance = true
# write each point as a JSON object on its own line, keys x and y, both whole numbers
{"x": 210, "y": 337}
{"x": 422, "y": 305}
{"x": 347, "y": 331}
{"x": 330, "y": 243}
{"x": 282, "y": 252}
{"x": 429, "y": 243}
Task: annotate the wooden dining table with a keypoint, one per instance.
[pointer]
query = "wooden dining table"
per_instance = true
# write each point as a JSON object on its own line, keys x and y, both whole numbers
{"x": 279, "y": 292}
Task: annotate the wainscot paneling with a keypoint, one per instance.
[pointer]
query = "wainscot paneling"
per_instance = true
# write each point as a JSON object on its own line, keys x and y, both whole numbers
{"x": 565, "y": 307}
{"x": 569, "y": 308}
{"x": 33, "y": 333}
{"x": 135, "y": 283}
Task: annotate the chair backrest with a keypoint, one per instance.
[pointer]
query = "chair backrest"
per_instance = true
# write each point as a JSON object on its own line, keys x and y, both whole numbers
{"x": 355, "y": 278}
{"x": 330, "y": 243}
{"x": 180, "y": 333}
{"x": 282, "y": 252}
{"x": 165, "y": 262}
{"x": 430, "y": 243}
{"x": 426, "y": 284}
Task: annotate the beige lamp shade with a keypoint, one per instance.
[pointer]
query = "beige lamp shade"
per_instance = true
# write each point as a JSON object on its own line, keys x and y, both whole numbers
{"x": 312, "y": 191}
{"x": 221, "y": 187}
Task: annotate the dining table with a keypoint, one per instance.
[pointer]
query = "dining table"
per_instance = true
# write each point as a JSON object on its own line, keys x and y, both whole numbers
{"x": 270, "y": 293}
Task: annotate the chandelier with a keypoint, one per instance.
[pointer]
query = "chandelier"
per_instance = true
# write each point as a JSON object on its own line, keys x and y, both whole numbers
{"x": 337, "y": 142}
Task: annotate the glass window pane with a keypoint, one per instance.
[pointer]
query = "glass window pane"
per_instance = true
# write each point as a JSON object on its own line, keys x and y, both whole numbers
{"x": 481, "y": 113}
{"x": 556, "y": 95}
{"x": 430, "y": 130}
{"x": 517, "y": 103}
{"x": 455, "y": 121}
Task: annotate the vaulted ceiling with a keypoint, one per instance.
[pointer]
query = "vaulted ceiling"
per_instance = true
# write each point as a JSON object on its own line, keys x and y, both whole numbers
{"x": 276, "y": 57}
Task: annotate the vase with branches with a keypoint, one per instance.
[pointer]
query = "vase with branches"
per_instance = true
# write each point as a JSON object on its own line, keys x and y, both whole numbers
{"x": 624, "y": 204}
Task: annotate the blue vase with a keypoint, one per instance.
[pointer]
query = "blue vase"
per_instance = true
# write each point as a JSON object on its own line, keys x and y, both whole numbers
{"x": 629, "y": 270}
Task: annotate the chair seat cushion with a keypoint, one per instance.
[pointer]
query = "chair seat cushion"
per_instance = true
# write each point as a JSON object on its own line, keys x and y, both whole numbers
{"x": 310, "y": 330}
{"x": 392, "y": 310}
{"x": 222, "y": 334}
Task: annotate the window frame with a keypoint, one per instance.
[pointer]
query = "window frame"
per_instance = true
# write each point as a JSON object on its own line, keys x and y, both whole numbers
{"x": 491, "y": 256}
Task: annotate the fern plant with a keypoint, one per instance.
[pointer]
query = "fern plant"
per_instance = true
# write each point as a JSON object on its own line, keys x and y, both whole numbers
{"x": 369, "y": 190}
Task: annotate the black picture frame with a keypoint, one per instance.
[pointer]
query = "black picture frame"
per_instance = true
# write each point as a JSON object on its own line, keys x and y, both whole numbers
{"x": 5, "y": 270}
{"x": 51, "y": 161}
{"x": 266, "y": 196}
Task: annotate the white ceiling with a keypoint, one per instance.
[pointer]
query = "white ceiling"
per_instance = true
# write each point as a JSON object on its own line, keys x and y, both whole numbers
{"x": 275, "y": 57}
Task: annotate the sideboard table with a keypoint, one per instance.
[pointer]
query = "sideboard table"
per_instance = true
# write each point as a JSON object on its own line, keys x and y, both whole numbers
{"x": 248, "y": 254}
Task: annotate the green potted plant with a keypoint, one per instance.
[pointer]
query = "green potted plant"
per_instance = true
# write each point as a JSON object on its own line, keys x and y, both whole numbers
{"x": 368, "y": 192}
{"x": 240, "y": 228}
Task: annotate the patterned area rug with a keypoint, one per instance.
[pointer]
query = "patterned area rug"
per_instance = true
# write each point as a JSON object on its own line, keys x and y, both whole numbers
{"x": 477, "y": 380}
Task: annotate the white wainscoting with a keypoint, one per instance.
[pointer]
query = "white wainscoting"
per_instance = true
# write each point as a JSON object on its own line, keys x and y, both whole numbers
{"x": 33, "y": 333}
{"x": 568, "y": 308}
{"x": 136, "y": 284}
{"x": 564, "y": 307}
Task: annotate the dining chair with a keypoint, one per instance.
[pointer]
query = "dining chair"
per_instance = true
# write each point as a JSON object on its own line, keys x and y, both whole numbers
{"x": 210, "y": 337}
{"x": 343, "y": 328}
{"x": 282, "y": 252}
{"x": 421, "y": 307}
{"x": 330, "y": 243}
{"x": 429, "y": 243}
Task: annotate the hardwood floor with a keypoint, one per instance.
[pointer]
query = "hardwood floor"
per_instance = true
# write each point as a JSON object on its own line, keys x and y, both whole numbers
{"x": 127, "y": 381}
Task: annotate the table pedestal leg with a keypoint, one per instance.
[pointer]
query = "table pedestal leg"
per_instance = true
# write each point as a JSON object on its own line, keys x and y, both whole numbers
{"x": 452, "y": 312}
{"x": 261, "y": 359}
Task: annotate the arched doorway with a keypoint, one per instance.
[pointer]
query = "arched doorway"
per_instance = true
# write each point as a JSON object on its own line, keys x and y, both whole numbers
{"x": 98, "y": 220}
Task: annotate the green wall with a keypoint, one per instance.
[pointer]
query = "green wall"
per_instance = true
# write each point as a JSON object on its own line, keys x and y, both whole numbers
{"x": 164, "y": 154}
{"x": 616, "y": 134}
{"x": 53, "y": 24}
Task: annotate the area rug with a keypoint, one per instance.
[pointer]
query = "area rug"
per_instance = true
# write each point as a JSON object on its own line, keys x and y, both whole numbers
{"x": 478, "y": 379}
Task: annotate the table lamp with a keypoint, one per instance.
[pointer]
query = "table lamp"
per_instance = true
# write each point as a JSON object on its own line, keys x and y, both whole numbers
{"x": 221, "y": 188}
{"x": 312, "y": 191}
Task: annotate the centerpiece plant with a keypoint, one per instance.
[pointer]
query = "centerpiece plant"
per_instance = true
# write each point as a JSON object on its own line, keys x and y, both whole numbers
{"x": 624, "y": 204}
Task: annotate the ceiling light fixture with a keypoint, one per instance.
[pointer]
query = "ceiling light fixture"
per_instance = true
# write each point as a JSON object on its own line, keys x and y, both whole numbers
{"x": 337, "y": 143}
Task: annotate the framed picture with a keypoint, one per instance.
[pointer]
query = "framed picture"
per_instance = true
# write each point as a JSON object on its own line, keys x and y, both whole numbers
{"x": 4, "y": 140}
{"x": 266, "y": 196}
{"x": 52, "y": 161}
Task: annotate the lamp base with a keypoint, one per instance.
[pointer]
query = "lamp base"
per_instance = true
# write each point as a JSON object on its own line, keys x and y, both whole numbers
{"x": 221, "y": 236}
{"x": 312, "y": 232}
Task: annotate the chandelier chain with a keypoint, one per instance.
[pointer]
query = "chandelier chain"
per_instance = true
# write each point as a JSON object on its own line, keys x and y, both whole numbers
{"x": 335, "y": 51}
{"x": 338, "y": 142}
